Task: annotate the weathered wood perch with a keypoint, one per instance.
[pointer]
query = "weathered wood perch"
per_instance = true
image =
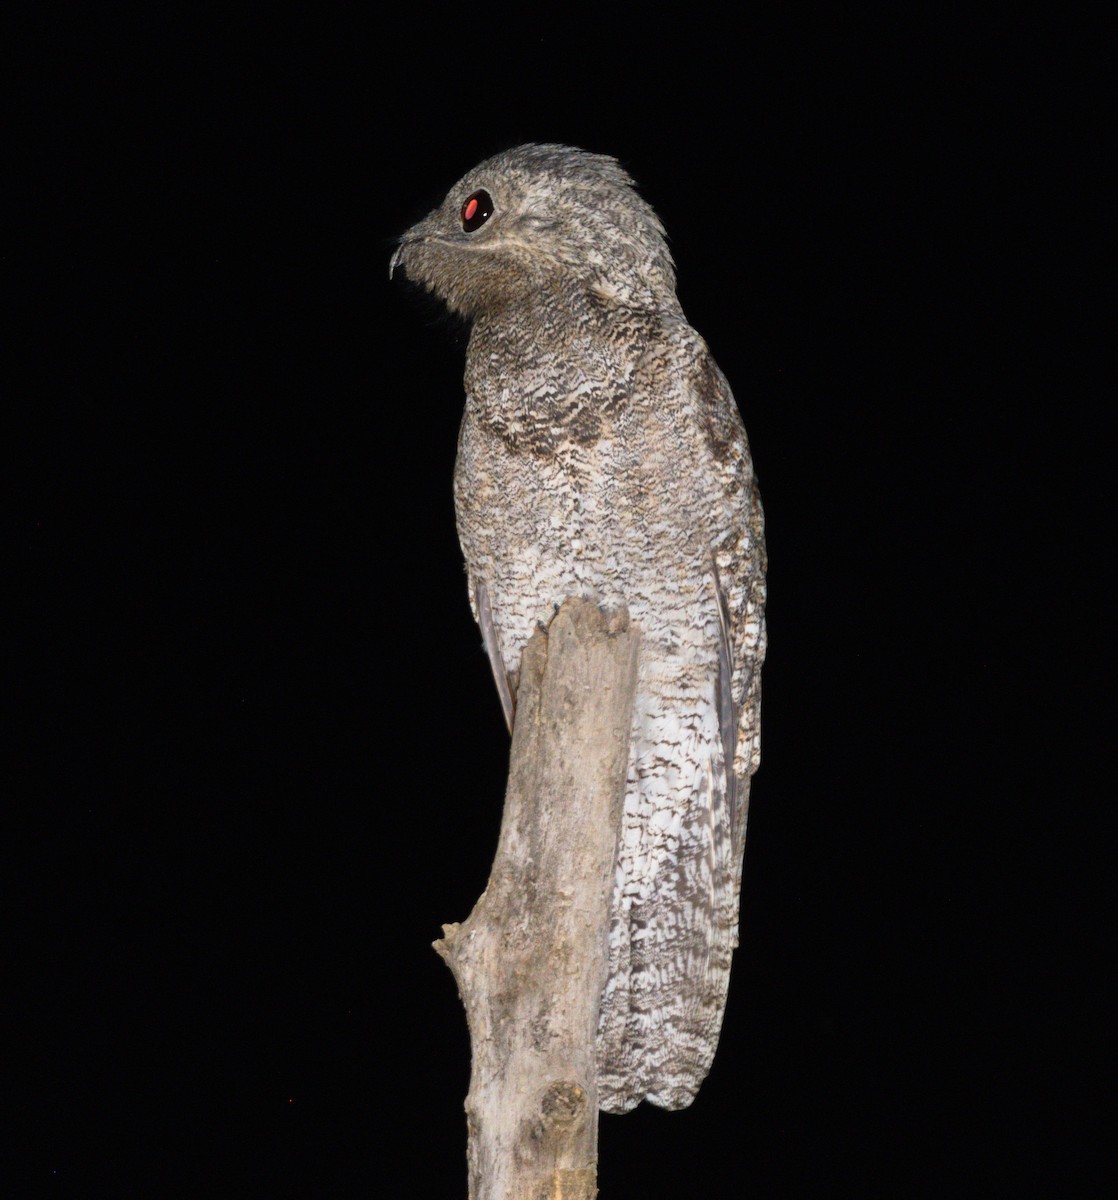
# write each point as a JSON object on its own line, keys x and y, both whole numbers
{"x": 530, "y": 961}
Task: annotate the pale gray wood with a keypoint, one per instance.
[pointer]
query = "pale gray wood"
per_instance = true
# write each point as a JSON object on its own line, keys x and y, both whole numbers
{"x": 531, "y": 960}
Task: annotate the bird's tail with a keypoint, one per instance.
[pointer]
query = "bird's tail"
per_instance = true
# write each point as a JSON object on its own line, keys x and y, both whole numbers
{"x": 673, "y": 923}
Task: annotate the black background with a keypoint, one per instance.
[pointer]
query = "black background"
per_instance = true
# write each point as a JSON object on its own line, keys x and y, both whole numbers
{"x": 258, "y": 756}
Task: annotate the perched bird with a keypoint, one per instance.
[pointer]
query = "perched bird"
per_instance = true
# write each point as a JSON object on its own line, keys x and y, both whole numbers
{"x": 601, "y": 455}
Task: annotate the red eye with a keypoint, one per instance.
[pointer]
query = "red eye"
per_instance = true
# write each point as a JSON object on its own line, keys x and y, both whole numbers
{"x": 477, "y": 210}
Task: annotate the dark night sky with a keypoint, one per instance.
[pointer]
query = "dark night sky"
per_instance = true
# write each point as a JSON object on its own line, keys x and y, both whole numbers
{"x": 259, "y": 759}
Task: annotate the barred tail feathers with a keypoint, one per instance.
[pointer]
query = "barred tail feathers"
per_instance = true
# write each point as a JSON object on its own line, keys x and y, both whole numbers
{"x": 673, "y": 924}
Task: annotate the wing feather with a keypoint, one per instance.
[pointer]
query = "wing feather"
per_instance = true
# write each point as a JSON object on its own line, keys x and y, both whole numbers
{"x": 493, "y": 649}
{"x": 727, "y": 709}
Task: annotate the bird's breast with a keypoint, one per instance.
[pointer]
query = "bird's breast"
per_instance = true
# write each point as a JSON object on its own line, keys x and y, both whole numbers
{"x": 583, "y": 521}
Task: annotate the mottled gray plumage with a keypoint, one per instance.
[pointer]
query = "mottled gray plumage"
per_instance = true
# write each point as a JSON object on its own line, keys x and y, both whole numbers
{"x": 601, "y": 455}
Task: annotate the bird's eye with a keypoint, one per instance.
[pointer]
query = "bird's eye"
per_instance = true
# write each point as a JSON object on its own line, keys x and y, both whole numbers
{"x": 477, "y": 210}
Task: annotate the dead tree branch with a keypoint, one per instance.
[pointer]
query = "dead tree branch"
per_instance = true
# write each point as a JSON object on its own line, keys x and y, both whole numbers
{"x": 530, "y": 961}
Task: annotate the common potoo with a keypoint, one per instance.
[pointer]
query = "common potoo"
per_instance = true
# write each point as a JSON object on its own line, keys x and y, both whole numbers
{"x": 602, "y": 455}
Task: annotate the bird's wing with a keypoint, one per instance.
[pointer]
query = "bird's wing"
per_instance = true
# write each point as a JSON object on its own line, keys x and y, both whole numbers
{"x": 493, "y": 649}
{"x": 739, "y": 575}
{"x": 727, "y": 709}
{"x": 676, "y": 900}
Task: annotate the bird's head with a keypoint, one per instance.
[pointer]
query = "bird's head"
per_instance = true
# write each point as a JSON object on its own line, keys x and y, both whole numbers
{"x": 540, "y": 217}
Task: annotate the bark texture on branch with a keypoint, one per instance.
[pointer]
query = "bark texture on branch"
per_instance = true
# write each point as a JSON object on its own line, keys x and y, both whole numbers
{"x": 531, "y": 960}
